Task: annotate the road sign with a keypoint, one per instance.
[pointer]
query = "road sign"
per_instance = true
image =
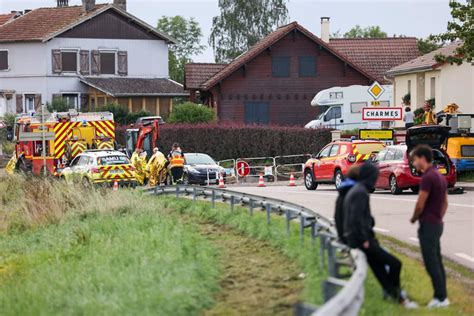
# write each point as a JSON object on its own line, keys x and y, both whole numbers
{"x": 243, "y": 168}
{"x": 376, "y": 90}
{"x": 382, "y": 134}
{"x": 381, "y": 114}
{"x": 2, "y": 124}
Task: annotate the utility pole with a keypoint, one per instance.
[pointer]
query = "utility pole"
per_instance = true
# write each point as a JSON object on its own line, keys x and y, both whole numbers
{"x": 43, "y": 139}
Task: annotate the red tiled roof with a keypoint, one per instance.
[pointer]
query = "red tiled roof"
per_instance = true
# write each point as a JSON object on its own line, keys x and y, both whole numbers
{"x": 425, "y": 62}
{"x": 377, "y": 55}
{"x": 44, "y": 23}
{"x": 4, "y": 18}
{"x": 266, "y": 42}
{"x": 197, "y": 73}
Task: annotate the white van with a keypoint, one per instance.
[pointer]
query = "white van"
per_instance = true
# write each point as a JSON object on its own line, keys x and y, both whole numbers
{"x": 342, "y": 106}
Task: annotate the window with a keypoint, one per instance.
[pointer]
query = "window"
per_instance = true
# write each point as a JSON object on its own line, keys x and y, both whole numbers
{"x": 336, "y": 95}
{"x": 69, "y": 61}
{"x": 325, "y": 152}
{"x": 72, "y": 100}
{"x": 432, "y": 87}
{"x": 307, "y": 66}
{"x": 281, "y": 66}
{"x": 334, "y": 150}
{"x": 381, "y": 155}
{"x": 399, "y": 155}
{"x": 333, "y": 113}
{"x": 29, "y": 102}
{"x": 107, "y": 63}
{"x": 390, "y": 155}
{"x": 4, "y": 60}
{"x": 356, "y": 107}
{"x": 409, "y": 86}
{"x": 344, "y": 149}
{"x": 467, "y": 151}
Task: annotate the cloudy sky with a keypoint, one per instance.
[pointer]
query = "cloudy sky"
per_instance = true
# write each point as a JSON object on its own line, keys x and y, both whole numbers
{"x": 409, "y": 17}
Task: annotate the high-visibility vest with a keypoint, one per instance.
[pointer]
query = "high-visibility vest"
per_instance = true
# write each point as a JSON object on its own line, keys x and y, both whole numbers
{"x": 176, "y": 161}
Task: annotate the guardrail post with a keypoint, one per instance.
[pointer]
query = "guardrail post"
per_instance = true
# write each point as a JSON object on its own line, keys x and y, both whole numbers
{"x": 251, "y": 207}
{"x": 268, "y": 208}
{"x": 213, "y": 199}
{"x": 322, "y": 246}
{"x": 331, "y": 260}
{"x": 194, "y": 194}
{"x": 313, "y": 233}
{"x": 232, "y": 202}
{"x": 288, "y": 219}
{"x": 177, "y": 191}
{"x": 302, "y": 229}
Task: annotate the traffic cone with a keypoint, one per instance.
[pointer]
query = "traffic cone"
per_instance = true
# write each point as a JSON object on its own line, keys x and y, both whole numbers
{"x": 261, "y": 182}
{"x": 221, "y": 182}
{"x": 292, "y": 181}
{"x": 116, "y": 186}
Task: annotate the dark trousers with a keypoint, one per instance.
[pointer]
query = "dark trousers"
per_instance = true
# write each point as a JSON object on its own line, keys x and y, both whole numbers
{"x": 177, "y": 173}
{"x": 385, "y": 267}
{"x": 429, "y": 236}
{"x": 408, "y": 125}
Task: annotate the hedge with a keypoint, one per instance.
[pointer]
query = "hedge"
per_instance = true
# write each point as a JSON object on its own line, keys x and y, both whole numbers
{"x": 232, "y": 141}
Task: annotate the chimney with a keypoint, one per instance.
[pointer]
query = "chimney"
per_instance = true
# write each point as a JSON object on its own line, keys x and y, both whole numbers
{"x": 325, "y": 29}
{"x": 121, "y": 4}
{"x": 88, "y": 5}
{"x": 63, "y": 3}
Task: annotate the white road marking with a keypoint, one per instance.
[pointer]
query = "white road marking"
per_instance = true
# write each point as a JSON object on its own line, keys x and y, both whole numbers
{"x": 414, "y": 239}
{"x": 464, "y": 256}
{"x": 381, "y": 230}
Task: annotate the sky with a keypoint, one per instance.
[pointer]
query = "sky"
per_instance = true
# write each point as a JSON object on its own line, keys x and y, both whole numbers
{"x": 418, "y": 18}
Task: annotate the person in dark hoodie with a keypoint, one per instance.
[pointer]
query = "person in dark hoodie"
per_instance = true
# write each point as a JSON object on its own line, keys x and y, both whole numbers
{"x": 350, "y": 180}
{"x": 359, "y": 233}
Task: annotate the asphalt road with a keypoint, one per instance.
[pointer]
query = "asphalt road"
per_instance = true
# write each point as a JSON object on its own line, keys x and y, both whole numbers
{"x": 392, "y": 215}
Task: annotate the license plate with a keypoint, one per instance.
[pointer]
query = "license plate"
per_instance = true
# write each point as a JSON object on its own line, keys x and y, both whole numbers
{"x": 442, "y": 170}
{"x": 118, "y": 171}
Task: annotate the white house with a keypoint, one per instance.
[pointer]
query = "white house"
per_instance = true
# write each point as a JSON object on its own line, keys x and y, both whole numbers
{"x": 424, "y": 78}
{"x": 88, "y": 55}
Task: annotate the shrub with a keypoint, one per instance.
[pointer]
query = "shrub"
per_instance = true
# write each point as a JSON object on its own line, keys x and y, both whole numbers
{"x": 58, "y": 105}
{"x": 193, "y": 113}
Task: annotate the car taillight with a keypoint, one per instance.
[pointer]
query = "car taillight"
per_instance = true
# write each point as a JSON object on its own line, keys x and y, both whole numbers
{"x": 351, "y": 158}
{"x": 95, "y": 170}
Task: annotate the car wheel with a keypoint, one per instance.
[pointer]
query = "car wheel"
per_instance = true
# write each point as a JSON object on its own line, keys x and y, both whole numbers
{"x": 309, "y": 182}
{"x": 338, "y": 178}
{"x": 415, "y": 189}
{"x": 394, "y": 186}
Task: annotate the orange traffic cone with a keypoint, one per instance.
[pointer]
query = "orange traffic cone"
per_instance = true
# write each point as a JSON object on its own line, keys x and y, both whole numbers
{"x": 261, "y": 182}
{"x": 292, "y": 180}
{"x": 115, "y": 185}
{"x": 221, "y": 182}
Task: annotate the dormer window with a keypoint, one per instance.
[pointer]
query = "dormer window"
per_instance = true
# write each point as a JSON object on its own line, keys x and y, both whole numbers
{"x": 3, "y": 60}
{"x": 69, "y": 61}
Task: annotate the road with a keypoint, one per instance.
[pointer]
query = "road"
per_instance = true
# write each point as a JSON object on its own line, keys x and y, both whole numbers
{"x": 392, "y": 214}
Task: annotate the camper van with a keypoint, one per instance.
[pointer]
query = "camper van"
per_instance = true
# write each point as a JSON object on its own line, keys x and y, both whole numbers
{"x": 341, "y": 107}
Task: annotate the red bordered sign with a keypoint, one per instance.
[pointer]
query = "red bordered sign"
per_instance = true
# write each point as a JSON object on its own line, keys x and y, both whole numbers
{"x": 243, "y": 168}
{"x": 382, "y": 114}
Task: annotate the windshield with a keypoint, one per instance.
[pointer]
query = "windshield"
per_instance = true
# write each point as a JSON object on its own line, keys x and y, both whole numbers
{"x": 113, "y": 160}
{"x": 368, "y": 148}
{"x": 201, "y": 159}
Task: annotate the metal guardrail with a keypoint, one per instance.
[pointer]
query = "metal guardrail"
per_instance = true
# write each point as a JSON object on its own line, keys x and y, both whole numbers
{"x": 343, "y": 294}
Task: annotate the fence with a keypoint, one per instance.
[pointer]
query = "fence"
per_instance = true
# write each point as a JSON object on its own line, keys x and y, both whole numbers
{"x": 343, "y": 294}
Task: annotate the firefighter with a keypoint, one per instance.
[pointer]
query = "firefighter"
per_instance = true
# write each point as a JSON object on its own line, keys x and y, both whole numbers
{"x": 138, "y": 164}
{"x": 155, "y": 167}
{"x": 176, "y": 163}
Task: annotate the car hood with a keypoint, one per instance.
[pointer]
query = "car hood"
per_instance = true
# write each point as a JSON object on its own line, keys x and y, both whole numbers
{"x": 432, "y": 135}
{"x": 204, "y": 168}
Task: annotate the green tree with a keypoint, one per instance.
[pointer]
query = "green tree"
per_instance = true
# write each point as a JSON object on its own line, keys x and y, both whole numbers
{"x": 242, "y": 23}
{"x": 460, "y": 28}
{"x": 368, "y": 32}
{"x": 426, "y": 46}
{"x": 187, "y": 34}
{"x": 58, "y": 105}
{"x": 189, "y": 112}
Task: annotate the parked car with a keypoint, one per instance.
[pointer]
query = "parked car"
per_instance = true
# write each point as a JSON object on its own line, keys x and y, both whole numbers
{"x": 396, "y": 172}
{"x": 100, "y": 167}
{"x": 331, "y": 164}
{"x": 201, "y": 169}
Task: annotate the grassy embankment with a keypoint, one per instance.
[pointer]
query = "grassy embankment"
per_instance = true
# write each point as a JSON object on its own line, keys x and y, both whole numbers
{"x": 90, "y": 252}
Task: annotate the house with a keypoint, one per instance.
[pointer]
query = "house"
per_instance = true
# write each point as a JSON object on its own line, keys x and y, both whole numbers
{"x": 275, "y": 81}
{"x": 424, "y": 78}
{"x": 88, "y": 55}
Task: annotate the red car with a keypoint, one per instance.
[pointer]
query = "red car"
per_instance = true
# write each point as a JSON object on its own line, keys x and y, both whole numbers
{"x": 331, "y": 164}
{"x": 395, "y": 170}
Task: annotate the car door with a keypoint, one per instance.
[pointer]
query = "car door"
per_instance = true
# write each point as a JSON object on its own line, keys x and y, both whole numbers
{"x": 331, "y": 161}
{"x": 387, "y": 170}
{"x": 381, "y": 165}
{"x": 320, "y": 164}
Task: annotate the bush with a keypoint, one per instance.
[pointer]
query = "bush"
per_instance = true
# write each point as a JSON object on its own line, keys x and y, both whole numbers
{"x": 58, "y": 105}
{"x": 121, "y": 115}
{"x": 193, "y": 113}
{"x": 234, "y": 141}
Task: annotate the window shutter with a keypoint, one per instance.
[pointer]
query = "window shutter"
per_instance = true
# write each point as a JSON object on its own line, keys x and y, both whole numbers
{"x": 122, "y": 63}
{"x": 38, "y": 103}
{"x": 84, "y": 62}
{"x": 19, "y": 103}
{"x": 56, "y": 61}
{"x": 84, "y": 102}
{"x": 95, "y": 62}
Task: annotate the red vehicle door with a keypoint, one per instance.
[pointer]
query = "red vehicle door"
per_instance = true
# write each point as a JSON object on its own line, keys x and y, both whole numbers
{"x": 321, "y": 166}
{"x": 387, "y": 168}
{"x": 381, "y": 165}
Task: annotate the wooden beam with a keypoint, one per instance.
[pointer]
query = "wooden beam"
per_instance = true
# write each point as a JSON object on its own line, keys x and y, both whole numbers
{"x": 130, "y": 104}
{"x": 143, "y": 104}
{"x": 157, "y": 105}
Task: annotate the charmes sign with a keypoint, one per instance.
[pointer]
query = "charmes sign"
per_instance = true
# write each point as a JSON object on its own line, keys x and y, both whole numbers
{"x": 381, "y": 114}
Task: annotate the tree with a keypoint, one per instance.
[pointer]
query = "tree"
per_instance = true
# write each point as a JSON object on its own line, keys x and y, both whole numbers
{"x": 368, "y": 32}
{"x": 426, "y": 46}
{"x": 193, "y": 113}
{"x": 188, "y": 35}
{"x": 460, "y": 28}
{"x": 242, "y": 23}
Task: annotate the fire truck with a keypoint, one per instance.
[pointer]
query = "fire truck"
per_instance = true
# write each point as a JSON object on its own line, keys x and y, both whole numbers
{"x": 64, "y": 136}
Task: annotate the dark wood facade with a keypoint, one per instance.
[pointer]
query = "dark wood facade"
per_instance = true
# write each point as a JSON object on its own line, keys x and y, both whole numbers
{"x": 252, "y": 90}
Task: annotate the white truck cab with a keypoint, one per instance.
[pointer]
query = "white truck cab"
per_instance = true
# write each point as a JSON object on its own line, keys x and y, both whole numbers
{"x": 342, "y": 106}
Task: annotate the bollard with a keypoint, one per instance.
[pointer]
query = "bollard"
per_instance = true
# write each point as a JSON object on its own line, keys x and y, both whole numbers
{"x": 232, "y": 202}
{"x": 268, "y": 208}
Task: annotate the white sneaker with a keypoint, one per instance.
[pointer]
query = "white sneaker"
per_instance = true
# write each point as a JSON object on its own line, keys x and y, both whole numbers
{"x": 409, "y": 304}
{"x": 435, "y": 303}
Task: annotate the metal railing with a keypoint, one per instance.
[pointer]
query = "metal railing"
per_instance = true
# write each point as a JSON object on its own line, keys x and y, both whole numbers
{"x": 343, "y": 294}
